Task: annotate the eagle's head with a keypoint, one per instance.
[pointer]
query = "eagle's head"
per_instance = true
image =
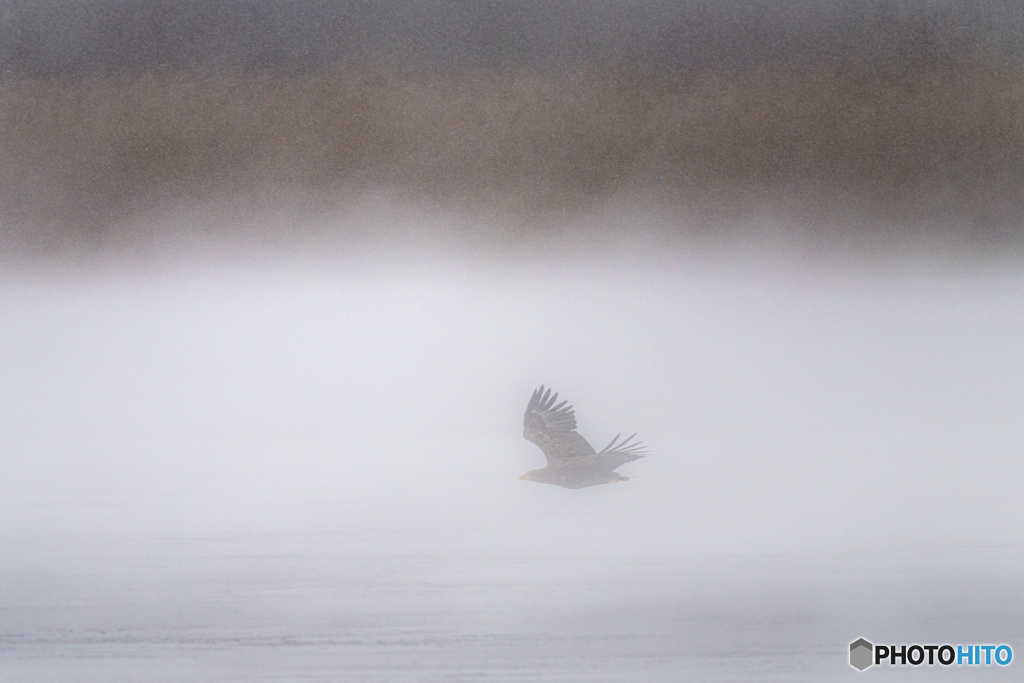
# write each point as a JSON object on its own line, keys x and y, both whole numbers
{"x": 535, "y": 475}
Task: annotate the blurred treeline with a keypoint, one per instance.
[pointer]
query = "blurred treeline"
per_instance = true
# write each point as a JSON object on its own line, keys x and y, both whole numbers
{"x": 917, "y": 123}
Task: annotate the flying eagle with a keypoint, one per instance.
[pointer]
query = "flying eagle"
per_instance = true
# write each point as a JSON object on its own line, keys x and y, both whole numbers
{"x": 572, "y": 462}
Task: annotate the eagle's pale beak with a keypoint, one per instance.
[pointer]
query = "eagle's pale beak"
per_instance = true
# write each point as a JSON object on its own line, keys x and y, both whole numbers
{"x": 522, "y": 476}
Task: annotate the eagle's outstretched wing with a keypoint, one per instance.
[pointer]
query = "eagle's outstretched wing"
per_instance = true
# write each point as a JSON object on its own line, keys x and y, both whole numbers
{"x": 553, "y": 428}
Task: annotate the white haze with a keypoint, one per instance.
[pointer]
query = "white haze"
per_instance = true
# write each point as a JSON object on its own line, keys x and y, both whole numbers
{"x": 309, "y": 468}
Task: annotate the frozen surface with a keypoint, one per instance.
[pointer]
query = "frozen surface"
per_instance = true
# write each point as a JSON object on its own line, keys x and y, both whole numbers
{"x": 308, "y": 472}
{"x": 442, "y": 604}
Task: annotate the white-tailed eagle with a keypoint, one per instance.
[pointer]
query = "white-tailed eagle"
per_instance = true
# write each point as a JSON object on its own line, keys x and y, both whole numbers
{"x": 572, "y": 462}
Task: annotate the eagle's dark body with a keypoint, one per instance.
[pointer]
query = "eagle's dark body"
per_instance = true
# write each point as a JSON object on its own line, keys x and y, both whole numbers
{"x": 572, "y": 462}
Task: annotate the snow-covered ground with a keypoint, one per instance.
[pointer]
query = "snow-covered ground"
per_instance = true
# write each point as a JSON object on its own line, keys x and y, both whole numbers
{"x": 309, "y": 470}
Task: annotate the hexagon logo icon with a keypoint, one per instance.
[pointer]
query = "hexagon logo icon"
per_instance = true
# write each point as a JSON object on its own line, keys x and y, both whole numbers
{"x": 861, "y": 652}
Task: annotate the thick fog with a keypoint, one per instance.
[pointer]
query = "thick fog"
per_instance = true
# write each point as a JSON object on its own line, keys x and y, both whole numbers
{"x": 277, "y": 283}
{"x": 283, "y": 467}
{"x": 798, "y": 407}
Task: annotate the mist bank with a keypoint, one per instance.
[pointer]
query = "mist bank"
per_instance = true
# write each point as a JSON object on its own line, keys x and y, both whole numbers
{"x": 837, "y": 152}
{"x": 785, "y": 411}
{"x": 314, "y": 470}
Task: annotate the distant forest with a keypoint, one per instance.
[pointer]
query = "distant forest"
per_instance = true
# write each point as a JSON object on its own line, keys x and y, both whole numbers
{"x": 897, "y": 113}
{"x": 77, "y": 37}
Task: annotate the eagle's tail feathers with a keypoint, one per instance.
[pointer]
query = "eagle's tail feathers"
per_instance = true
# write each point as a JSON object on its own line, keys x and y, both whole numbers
{"x": 626, "y": 447}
